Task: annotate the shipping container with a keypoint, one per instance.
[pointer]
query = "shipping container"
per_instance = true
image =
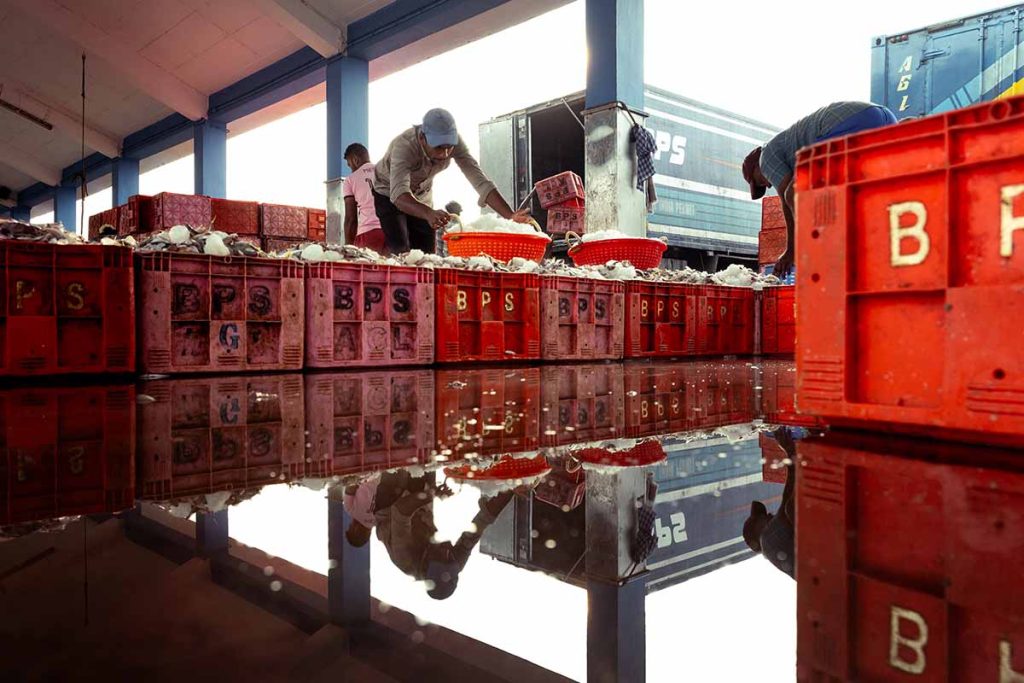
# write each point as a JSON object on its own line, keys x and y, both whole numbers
{"x": 361, "y": 314}
{"x": 908, "y": 561}
{"x": 66, "y": 309}
{"x": 950, "y": 65}
{"x": 703, "y": 203}
{"x": 205, "y": 435}
{"x": 202, "y": 313}
{"x": 66, "y": 451}
{"x": 910, "y": 277}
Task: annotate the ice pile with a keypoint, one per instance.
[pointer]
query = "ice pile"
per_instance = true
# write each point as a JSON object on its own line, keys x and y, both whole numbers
{"x": 189, "y": 240}
{"x": 601, "y": 235}
{"x": 49, "y": 233}
{"x": 490, "y": 222}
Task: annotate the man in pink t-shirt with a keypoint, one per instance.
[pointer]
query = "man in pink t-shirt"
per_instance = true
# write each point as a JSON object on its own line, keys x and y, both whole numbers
{"x": 362, "y": 227}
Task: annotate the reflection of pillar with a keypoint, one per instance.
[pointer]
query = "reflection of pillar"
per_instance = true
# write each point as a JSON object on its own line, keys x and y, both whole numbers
{"x": 616, "y": 638}
{"x": 348, "y": 578}
{"x": 211, "y": 533}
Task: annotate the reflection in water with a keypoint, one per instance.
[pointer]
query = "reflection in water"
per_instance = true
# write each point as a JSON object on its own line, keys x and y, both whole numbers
{"x": 621, "y": 479}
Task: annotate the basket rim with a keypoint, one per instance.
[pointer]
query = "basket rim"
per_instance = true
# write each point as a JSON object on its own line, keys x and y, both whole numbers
{"x": 620, "y": 240}
{"x": 498, "y": 235}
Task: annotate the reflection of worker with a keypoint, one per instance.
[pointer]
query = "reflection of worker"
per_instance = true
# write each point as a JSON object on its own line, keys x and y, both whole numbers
{"x": 773, "y": 535}
{"x": 404, "y": 517}
{"x": 362, "y": 227}
{"x": 404, "y": 180}
{"x": 774, "y": 164}
{"x": 359, "y": 501}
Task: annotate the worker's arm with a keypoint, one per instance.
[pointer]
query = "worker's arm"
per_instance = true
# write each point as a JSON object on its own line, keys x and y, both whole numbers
{"x": 351, "y": 220}
{"x": 401, "y": 190}
{"x": 785, "y": 190}
{"x": 408, "y": 204}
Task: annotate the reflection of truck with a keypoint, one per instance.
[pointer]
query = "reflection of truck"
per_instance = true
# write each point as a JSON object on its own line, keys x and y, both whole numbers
{"x": 950, "y": 65}
{"x": 704, "y": 207}
{"x": 702, "y": 502}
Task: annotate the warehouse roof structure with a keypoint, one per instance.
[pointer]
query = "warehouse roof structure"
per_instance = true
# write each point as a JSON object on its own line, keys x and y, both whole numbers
{"x": 162, "y": 72}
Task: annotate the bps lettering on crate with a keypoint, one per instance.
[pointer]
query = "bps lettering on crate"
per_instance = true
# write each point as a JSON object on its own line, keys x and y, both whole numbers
{"x": 581, "y": 319}
{"x": 911, "y": 269}
{"x": 582, "y": 403}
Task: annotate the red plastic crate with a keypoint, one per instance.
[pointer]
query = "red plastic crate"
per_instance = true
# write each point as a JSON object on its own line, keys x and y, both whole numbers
{"x": 279, "y": 220}
{"x": 663, "y": 398}
{"x": 582, "y": 403}
{"x": 778, "y": 395}
{"x": 563, "y": 219}
{"x": 66, "y": 451}
{"x": 661, "y": 319}
{"x": 109, "y": 217}
{"x": 771, "y": 245}
{"x": 559, "y": 189}
{"x": 772, "y": 217}
{"x": 903, "y": 332}
{"x": 66, "y": 309}
{"x": 778, "y": 320}
{"x": 907, "y": 561}
{"x": 316, "y": 221}
{"x": 211, "y": 434}
{"x": 219, "y": 314}
{"x": 773, "y": 468}
{"x": 168, "y": 209}
{"x": 136, "y": 215}
{"x": 581, "y": 319}
{"x": 275, "y": 244}
{"x": 489, "y": 411}
{"x": 359, "y": 314}
{"x": 241, "y": 218}
{"x": 486, "y": 316}
{"x": 359, "y": 422}
{"x": 725, "y": 321}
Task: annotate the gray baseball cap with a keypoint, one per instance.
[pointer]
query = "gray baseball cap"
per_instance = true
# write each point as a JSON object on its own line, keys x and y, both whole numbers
{"x": 439, "y": 128}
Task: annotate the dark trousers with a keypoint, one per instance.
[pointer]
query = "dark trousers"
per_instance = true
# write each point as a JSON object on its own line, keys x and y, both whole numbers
{"x": 402, "y": 231}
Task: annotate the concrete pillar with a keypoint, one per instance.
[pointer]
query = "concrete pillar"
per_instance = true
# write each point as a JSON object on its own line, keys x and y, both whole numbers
{"x": 211, "y": 533}
{"x": 348, "y": 578}
{"x": 210, "y": 146}
{"x": 64, "y": 210}
{"x": 125, "y": 179}
{"x": 615, "y": 73}
{"x": 21, "y": 213}
{"x": 348, "y": 121}
{"x": 615, "y": 584}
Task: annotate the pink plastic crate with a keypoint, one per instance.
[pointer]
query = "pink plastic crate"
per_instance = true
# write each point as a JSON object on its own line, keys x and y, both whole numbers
{"x": 359, "y": 314}
{"x": 168, "y": 209}
{"x": 563, "y": 219}
{"x": 278, "y": 220}
{"x": 559, "y": 188}
{"x": 581, "y": 319}
{"x": 219, "y": 314}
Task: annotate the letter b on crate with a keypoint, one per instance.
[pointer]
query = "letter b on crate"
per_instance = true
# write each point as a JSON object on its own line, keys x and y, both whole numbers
{"x": 899, "y": 255}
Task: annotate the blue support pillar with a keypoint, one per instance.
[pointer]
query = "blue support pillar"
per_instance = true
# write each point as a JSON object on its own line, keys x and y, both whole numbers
{"x": 348, "y": 121}
{"x": 348, "y": 579}
{"x": 211, "y": 533}
{"x": 21, "y": 213}
{"x": 210, "y": 146}
{"x": 616, "y": 631}
{"x": 615, "y": 45}
{"x": 125, "y": 179}
{"x": 64, "y": 196}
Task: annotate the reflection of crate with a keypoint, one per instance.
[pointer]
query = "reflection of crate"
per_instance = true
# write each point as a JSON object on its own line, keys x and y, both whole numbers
{"x": 219, "y": 314}
{"x": 486, "y": 316}
{"x": 366, "y": 421}
{"x": 214, "y": 434}
{"x": 66, "y": 451}
{"x": 488, "y": 411}
{"x": 66, "y": 309}
{"x": 778, "y": 395}
{"x": 581, "y": 319}
{"x": 906, "y": 563}
{"x": 911, "y": 276}
{"x": 359, "y": 314}
{"x": 582, "y": 403}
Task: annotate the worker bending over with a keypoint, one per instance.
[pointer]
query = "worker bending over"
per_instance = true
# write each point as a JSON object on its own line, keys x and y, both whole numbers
{"x": 774, "y": 164}
{"x": 404, "y": 179}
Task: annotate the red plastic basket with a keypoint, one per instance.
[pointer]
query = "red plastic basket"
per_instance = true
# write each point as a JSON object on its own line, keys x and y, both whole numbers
{"x": 642, "y": 252}
{"x": 648, "y": 452}
{"x": 505, "y": 469}
{"x": 502, "y": 246}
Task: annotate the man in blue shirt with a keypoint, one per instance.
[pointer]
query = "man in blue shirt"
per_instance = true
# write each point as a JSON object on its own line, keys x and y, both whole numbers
{"x": 774, "y": 164}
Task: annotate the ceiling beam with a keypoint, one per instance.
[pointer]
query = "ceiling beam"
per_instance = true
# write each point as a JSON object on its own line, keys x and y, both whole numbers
{"x": 158, "y": 84}
{"x": 307, "y": 24}
{"x": 26, "y": 163}
{"x": 63, "y": 122}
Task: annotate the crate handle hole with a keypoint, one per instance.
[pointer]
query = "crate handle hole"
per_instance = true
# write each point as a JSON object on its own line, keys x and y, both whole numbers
{"x": 1000, "y": 110}
{"x": 999, "y": 373}
{"x": 815, "y": 234}
{"x": 815, "y": 277}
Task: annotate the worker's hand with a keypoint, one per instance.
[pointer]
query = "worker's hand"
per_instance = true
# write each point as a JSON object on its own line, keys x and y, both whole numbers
{"x": 520, "y": 216}
{"x": 438, "y": 219}
{"x": 784, "y": 264}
